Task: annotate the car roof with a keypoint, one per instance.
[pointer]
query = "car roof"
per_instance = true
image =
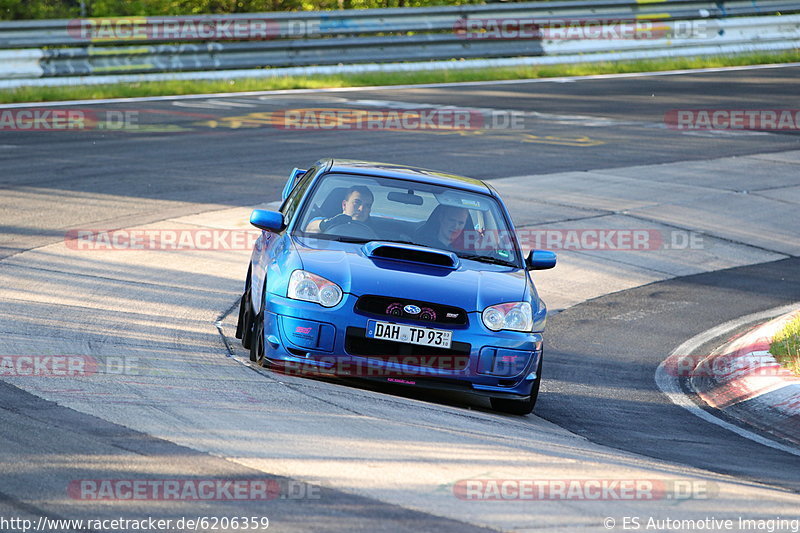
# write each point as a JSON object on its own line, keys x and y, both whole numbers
{"x": 390, "y": 170}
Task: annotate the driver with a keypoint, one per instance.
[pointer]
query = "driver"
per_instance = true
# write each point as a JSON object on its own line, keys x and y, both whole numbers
{"x": 356, "y": 206}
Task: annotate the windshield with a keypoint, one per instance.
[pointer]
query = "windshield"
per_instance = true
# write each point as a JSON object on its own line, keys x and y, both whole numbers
{"x": 360, "y": 209}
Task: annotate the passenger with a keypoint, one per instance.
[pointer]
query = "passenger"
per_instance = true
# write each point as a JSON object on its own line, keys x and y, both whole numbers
{"x": 444, "y": 228}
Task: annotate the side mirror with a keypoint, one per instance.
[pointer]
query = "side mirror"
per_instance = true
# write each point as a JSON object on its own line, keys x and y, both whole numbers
{"x": 294, "y": 175}
{"x": 267, "y": 220}
{"x": 540, "y": 260}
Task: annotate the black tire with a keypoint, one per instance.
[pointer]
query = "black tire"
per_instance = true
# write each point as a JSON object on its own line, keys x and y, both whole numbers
{"x": 247, "y": 321}
{"x": 257, "y": 340}
{"x": 520, "y": 407}
{"x": 244, "y": 326}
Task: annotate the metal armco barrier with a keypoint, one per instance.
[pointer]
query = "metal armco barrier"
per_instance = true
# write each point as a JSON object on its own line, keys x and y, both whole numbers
{"x": 205, "y": 47}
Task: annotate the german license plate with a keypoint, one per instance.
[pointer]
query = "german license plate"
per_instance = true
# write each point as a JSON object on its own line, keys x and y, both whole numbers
{"x": 438, "y": 338}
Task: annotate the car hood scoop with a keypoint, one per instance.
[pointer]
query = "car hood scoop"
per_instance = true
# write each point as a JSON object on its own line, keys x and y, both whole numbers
{"x": 411, "y": 253}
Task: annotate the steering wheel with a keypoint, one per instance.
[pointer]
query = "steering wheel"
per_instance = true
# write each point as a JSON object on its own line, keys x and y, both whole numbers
{"x": 345, "y": 226}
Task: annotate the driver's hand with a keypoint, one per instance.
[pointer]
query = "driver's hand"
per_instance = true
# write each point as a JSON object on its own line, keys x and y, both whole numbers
{"x": 341, "y": 218}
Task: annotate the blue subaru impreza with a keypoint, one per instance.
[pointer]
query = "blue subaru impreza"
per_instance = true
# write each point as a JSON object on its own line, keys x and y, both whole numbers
{"x": 399, "y": 274}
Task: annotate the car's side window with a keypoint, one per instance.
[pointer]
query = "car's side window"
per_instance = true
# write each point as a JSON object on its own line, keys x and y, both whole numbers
{"x": 290, "y": 205}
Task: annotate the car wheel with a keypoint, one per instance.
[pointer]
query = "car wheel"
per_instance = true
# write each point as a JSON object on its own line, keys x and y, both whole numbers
{"x": 520, "y": 407}
{"x": 257, "y": 340}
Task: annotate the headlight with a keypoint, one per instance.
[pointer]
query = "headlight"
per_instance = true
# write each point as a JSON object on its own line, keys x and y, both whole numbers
{"x": 312, "y": 288}
{"x": 516, "y": 316}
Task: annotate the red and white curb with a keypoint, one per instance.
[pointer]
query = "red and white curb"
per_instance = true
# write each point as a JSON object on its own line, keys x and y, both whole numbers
{"x": 741, "y": 380}
{"x": 745, "y": 370}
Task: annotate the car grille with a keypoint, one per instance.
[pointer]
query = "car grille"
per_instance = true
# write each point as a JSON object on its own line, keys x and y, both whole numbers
{"x": 454, "y": 358}
{"x": 428, "y": 312}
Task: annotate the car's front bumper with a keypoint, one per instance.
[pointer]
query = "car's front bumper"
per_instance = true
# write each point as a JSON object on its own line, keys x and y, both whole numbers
{"x": 305, "y": 338}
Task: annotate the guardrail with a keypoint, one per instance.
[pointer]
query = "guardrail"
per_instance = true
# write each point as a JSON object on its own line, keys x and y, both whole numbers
{"x": 265, "y": 44}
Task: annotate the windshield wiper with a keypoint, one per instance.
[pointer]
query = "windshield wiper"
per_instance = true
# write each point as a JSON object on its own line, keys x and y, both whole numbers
{"x": 345, "y": 238}
{"x": 488, "y": 259}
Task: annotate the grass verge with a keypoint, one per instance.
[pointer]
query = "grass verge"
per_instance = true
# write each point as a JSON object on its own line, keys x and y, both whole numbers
{"x": 785, "y": 347}
{"x": 128, "y": 90}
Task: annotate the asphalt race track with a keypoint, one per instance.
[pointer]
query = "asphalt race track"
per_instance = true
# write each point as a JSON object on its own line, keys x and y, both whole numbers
{"x": 592, "y": 153}
{"x": 617, "y": 373}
